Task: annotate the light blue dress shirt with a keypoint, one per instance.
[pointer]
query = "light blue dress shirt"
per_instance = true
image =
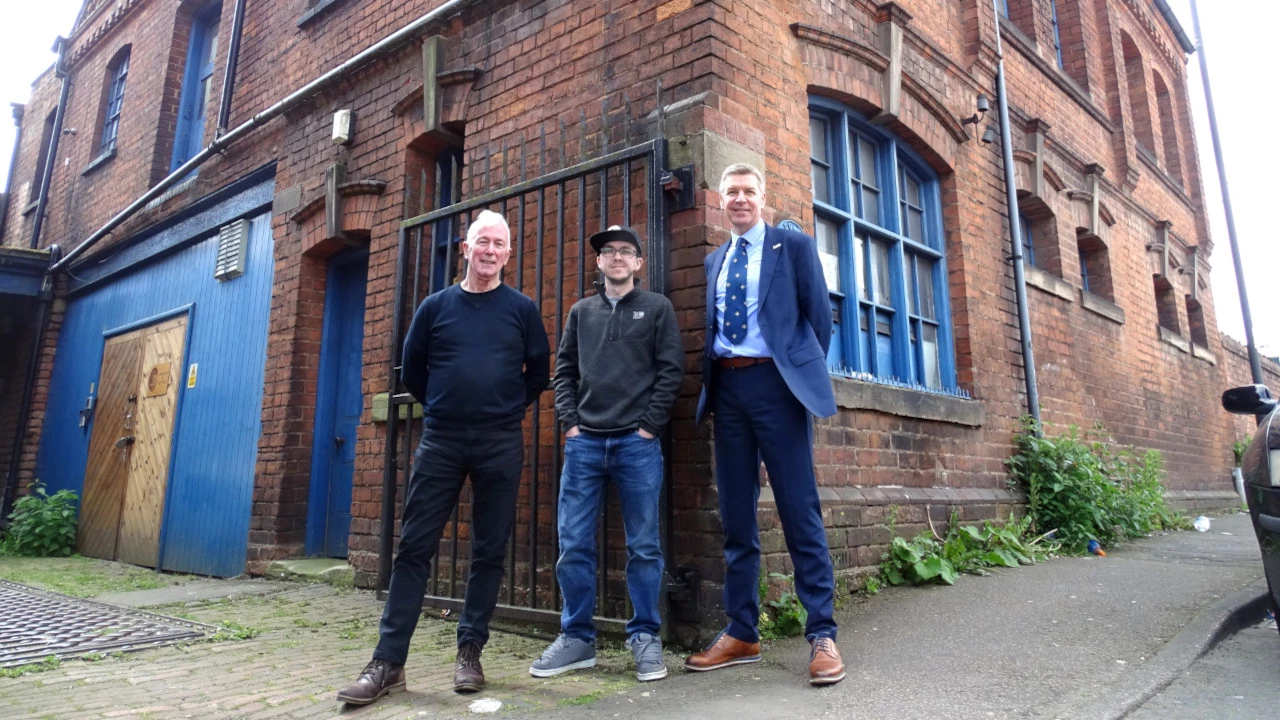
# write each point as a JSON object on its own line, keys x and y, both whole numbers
{"x": 753, "y": 344}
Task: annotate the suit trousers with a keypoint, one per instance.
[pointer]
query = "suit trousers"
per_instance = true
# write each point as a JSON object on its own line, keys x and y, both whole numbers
{"x": 756, "y": 416}
{"x": 493, "y": 459}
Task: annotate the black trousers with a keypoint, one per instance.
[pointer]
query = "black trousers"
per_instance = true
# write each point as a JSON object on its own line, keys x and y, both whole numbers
{"x": 493, "y": 459}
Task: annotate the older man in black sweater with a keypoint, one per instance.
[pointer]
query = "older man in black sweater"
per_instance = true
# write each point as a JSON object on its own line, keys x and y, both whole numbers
{"x": 476, "y": 357}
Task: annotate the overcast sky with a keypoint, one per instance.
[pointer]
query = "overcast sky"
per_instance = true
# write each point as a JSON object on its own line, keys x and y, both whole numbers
{"x": 1239, "y": 47}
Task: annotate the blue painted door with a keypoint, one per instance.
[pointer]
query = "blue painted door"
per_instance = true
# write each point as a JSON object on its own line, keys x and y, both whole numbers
{"x": 339, "y": 403}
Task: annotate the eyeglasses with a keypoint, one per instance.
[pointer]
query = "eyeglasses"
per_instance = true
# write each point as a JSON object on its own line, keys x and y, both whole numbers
{"x": 625, "y": 252}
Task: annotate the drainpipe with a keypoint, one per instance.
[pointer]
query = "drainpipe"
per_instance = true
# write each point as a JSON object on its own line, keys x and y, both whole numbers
{"x": 1015, "y": 230}
{"x": 59, "y": 70}
{"x": 1255, "y": 364}
{"x": 283, "y": 106}
{"x": 28, "y": 388}
{"x": 18, "y": 111}
{"x": 233, "y": 61}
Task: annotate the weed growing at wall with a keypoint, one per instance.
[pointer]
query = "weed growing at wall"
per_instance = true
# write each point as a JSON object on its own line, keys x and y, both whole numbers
{"x": 927, "y": 558}
{"x": 785, "y": 616}
{"x": 1086, "y": 488}
{"x": 42, "y": 525}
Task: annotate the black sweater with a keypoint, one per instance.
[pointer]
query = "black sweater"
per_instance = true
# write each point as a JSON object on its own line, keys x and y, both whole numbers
{"x": 619, "y": 368}
{"x": 476, "y": 359}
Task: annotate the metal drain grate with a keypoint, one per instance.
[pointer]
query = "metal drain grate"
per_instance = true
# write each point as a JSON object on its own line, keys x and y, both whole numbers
{"x": 35, "y": 624}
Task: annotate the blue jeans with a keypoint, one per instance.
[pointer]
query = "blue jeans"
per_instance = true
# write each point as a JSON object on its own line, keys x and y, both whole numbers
{"x": 634, "y": 465}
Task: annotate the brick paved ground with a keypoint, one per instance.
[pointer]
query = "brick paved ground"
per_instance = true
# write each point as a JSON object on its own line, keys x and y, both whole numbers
{"x": 312, "y": 640}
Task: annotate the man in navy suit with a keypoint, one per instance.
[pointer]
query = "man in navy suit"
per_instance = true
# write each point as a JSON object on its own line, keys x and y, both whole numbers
{"x": 764, "y": 378}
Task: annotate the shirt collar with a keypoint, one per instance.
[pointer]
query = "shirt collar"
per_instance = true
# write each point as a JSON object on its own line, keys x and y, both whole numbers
{"x": 752, "y": 235}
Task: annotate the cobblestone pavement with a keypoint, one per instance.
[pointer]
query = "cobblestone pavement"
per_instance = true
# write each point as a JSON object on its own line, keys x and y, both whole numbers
{"x": 311, "y": 640}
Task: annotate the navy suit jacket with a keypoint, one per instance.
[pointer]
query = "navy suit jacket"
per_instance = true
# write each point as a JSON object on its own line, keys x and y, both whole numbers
{"x": 794, "y": 315}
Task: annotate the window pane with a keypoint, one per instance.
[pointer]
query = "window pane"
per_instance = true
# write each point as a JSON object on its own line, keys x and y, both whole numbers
{"x": 911, "y": 189}
{"x": 924, "y": 271}
{"x": 870, "y": 205}
{"x": 819, "y": 161}
{"x": 915, "y": 225}
{"x": 931, "y": 372}
{"x": 880, "y": 266}
{"x": 867, "y": 163}
{"x": 859, "y": 270}
{"x": 828, "y": 238}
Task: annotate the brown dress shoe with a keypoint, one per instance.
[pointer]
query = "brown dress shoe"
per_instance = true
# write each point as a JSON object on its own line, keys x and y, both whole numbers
{"x": 378, "y": 678}
{"x": 725, "y": 651}
{"x": 468, "y": 676}
{"x": 825, "y": 665}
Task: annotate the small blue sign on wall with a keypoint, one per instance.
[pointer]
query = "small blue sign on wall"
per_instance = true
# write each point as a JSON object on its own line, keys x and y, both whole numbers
{"x": 790, "y": 225}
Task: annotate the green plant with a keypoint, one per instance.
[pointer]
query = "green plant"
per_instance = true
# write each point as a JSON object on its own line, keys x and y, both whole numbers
{"x": 871, "y": 585}
{"x": 50, "y": 663}
{"x": 233, "y": 631}
{"x": 42, "y": 525}
{"x": 1240, "y": 447}
{"x": 785, "y": 616}
{"x": 1085, "y": 488}
{"x": 927, "y": 558}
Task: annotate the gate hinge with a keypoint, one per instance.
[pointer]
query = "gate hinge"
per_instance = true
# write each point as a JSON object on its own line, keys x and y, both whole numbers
{"x": 682, "y": 584}
{"x": 678, "y": 185}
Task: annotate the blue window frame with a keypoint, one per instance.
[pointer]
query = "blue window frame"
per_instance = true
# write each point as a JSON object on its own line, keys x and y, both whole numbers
{"x": 448, "y": 192}
{"x": 118, "y": 74}
{"x": 1028, "y": 245}
{"x": 197, "y": 81}
{"x": 1057, "y": 33}
{"x": 1003, "y": 5}
{"x": 1084, "y": 270}
{"x": 877, "y": 223}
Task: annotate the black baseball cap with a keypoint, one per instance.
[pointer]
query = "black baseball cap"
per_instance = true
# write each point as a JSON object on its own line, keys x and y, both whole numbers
{"x": 616, "y": 232}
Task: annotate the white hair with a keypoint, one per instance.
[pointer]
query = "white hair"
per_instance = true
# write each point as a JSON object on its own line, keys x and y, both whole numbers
{"x": 487, "y": 219}
{"x": 741, "y": 169}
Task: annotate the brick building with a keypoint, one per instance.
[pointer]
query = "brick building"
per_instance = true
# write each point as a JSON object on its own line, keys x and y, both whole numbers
{"x": 248, "y": 311}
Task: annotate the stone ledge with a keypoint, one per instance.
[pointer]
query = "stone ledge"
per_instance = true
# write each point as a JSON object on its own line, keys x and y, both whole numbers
{"x": 1203, "y": 353}
{"x": 861, "y": 395}
{"x": 909, "y": 496}
{"x": 1174, "y": 339}
{"x": 1048, "y": 282}
{"x": 1102, "y": 306}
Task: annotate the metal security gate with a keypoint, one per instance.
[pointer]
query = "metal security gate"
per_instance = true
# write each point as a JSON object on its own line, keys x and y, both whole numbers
{"x": 550, "y": 216}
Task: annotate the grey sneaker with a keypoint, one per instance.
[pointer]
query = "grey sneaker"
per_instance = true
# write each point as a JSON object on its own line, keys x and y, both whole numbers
{"x": 565, "y": 654}
{"x": 647, "y": 651}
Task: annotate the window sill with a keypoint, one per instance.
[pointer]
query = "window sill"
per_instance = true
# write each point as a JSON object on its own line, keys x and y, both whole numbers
{"x": 1047, "y": 282}
{"x": 861, "y": 395}
{"x": 1102, "y": 306}
{"x": 1203, "y": 353}
{"x": 319, "y": 9}
{"x": 31, "y": 207}
{"x": 1174, "y": 339}
{"x": 99, "y": 161}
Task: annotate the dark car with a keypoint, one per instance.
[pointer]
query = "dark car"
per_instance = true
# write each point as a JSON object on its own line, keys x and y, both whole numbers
{"x": 1261, "y": 468}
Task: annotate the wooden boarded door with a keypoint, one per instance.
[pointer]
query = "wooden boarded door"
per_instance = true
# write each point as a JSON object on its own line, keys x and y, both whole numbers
{"x": 142, "y": 442}
{"x": 107, "y": 472}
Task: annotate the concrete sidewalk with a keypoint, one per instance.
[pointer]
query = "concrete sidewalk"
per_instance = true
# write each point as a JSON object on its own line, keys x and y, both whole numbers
{"x": 1070, "y": 638}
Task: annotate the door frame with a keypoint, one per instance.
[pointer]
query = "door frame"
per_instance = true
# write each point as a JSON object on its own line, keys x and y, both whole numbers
{"x": 326, "y": 396}
{"x": 189, "y": 310}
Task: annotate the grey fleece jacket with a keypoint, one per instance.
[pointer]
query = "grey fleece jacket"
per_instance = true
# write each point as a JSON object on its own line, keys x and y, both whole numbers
{"x": 619, "y": 368}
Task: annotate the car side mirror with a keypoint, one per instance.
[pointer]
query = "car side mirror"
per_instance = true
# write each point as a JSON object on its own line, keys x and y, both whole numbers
{"x": 1248, "y": 400}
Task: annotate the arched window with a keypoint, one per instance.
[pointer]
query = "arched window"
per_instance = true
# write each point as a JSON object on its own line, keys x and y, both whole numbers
{"x": 1136, "y": 82}
{"x": 117, "y": 75}
{"x": 878, "y": 224}
{"x": 197, "y": 84}
{"x": 1168, "y": 127}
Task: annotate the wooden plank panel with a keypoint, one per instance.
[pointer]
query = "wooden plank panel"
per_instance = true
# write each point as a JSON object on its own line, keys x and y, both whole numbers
{"x": 107, "y": 471}
{"x": 139, "y": 541}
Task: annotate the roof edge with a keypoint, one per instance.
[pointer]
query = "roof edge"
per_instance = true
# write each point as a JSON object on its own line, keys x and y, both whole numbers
{"x": 1183, "y": 39}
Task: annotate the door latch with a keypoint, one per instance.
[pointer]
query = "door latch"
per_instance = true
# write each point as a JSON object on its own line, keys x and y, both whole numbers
{"x": 125, "y": 441}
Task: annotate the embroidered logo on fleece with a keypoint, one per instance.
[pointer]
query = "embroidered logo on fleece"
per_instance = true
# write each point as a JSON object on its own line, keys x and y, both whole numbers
{"x": 637, "y": 314}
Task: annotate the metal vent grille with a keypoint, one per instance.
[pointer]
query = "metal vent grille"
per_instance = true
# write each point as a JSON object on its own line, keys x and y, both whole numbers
{"x": 233, "y": 241}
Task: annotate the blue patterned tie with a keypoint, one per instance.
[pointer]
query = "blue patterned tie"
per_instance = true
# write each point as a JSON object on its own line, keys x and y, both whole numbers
{"x": 734, "y": 323}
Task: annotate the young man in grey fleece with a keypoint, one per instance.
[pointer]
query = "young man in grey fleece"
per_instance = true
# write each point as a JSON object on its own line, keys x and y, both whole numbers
{"x": 618, "y": 372}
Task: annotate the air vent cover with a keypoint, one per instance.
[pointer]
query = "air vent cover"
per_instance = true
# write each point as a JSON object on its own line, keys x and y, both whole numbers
{"x": 233, "y": 241}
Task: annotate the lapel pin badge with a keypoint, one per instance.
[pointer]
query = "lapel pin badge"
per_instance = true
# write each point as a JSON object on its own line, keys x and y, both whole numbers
{"x": 775, "y": 247}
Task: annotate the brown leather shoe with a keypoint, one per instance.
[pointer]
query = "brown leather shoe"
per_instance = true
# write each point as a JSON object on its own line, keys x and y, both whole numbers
{"x": 468, "y": 676}
{"x": 825, "y": 665}
{"x": 725, "y": 651}
{"x": 378, "y": 678}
